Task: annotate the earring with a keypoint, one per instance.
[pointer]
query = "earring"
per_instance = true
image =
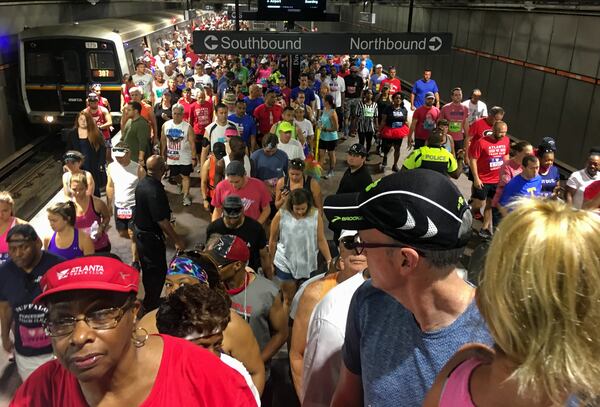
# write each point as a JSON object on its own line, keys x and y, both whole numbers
{"x": 139, "y": 340}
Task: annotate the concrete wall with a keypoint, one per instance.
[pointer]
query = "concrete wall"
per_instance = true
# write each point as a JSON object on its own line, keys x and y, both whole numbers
{"x": 15, "y": 131}
{"x": 538, "y": 104}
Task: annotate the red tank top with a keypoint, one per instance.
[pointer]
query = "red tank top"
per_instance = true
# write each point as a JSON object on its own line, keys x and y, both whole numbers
{"x": 100, "y": 120}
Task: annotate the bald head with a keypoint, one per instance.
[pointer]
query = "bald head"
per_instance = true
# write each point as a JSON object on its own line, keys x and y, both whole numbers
{"x": 155, "y": 165}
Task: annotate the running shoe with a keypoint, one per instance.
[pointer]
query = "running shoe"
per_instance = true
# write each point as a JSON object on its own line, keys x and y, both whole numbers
{"x": 395, "y": 168}
{"x": 485, "y": 234}
{"x": 187, "y": 201}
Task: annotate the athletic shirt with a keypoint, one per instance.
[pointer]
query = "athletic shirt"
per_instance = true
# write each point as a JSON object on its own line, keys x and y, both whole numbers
{"x": 179, "y": 151}
{"x": 100, "y": 120}
{"x": 3, "y": 243}
{"x": 89, "y": 222}
{"x": 71, "y": 252}
{"x": 125, "y": 179}
{"x": 247, "y": 165}
{"x": 326, "y": 123}
{"x": 456, "y": 389}
{"x": 254, "y": 305}
{"x": 447, "y": 144}
{"x": 297, "y": 247}
{"x": 212, "y": 169}
{"x": 305, "y": 183}
{"x": 549, "y": 181}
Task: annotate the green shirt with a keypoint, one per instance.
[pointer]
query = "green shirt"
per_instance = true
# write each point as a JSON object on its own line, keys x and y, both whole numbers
{"x": 137, "y": 136}
{"x": 242, "y": 75}
{"x": 432, "y": 158}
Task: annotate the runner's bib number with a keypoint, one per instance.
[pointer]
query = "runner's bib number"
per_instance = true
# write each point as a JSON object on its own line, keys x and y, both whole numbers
{"x": 496, "y": 163}
{"x": 455, "y": 127}
{"x": 124, "y": 213}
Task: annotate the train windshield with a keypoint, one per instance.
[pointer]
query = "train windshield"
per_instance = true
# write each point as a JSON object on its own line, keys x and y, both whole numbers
{"x": 40, "y": 67}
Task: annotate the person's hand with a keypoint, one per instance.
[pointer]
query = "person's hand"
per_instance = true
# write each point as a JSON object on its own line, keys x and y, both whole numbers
{"x": 413, "y": 108}
{"x": 8, "y": 345}
{"x": 477, "y": 183}
{"x": 411, "y": 142}
{"x": 206, "y": 205}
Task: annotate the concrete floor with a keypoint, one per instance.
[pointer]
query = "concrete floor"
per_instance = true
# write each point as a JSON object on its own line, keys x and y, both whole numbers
{"x": 191, "y": 222}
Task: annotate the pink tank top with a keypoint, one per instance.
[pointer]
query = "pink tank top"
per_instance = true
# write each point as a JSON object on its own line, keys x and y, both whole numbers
{"x": 85, "y": 223}
{"x": 456, "y": 389}
{"x": 3, "y": 244}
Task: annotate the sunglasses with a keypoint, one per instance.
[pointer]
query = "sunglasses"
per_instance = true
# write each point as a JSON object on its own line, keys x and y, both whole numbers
{"x": 358, "y": 245}
{"x": 120, "y": 150}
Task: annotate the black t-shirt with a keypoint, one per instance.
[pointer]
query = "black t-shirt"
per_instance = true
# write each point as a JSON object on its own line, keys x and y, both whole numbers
{"x": 355, "y": 181}
{"x": 354, "y": 86}
{"x": 251, "y": 231}
{"x": 158, "y": 111}
{"x": 19, "y": 289}
{"x": 151, "y": 205}
{"x": 382, "y": 105}
{"x": 395, "y": 117}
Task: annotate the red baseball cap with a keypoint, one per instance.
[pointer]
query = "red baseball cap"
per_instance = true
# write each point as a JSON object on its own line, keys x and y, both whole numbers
{"x": 89, "y": 273}
{"x": 229, "y": 249}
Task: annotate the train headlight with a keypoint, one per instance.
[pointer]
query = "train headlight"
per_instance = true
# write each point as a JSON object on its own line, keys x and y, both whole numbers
{"x": 49, "y": 119}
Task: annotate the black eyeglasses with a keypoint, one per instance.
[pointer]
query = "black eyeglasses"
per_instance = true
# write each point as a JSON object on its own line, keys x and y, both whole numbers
{"x": 102, "y": 319}
{"x": 355, "y": 243}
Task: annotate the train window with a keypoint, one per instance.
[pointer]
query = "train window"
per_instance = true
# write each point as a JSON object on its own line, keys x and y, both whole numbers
{"x": 102, "y": 66}
{"x": 40, "y": 67}
{"x": 71, "y": 67}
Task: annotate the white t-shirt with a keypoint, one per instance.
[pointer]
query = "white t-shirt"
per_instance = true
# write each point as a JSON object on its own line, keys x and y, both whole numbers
{"x": 202, "y": 79}
{"x": 336, "y": 87}
{"x": 476, "y": 111}
{"x": 144, "y": 82}
{"x": 215, "y": 132}
{"x": 241, "y": 369}
{"x": 306, "y": 127}
{"x": 579, "y": 180}
{"x": 325, "y": 338}
{"x": 293, "y": 149}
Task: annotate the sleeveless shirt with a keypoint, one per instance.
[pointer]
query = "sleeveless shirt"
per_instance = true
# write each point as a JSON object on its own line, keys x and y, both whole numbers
{"x": 179, "y": 151}
{"x": 297, "y": 248}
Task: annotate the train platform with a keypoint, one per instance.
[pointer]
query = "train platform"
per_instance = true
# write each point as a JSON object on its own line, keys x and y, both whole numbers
{"x": 191, "y": 222}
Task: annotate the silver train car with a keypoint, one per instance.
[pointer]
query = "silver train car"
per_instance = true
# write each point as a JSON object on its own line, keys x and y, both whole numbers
{"x": 58, "y": 64}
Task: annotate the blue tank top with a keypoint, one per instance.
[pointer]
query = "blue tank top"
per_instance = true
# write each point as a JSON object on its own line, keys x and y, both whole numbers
{"x": 326, "y": 123}
{"x": 71, "y": 252}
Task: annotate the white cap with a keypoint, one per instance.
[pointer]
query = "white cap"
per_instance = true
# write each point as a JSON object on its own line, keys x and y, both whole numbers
{"x": 378, "y": 66}
{"x": 346, "y": 233}
{"x": 264, "y": 61}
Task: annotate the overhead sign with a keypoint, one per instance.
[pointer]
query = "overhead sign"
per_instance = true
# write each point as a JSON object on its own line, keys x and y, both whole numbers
{"x": 248, "y": 42}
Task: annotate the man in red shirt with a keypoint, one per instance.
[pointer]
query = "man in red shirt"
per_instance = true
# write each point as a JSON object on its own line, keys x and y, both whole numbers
{"x": 482, "y": 127}
{"x": 267, "y": 115}
{"x": 458, "y": 118}
{"x": 394, "y": 83}
{"x": 254, "y": 193}
{"x": 487, "y": 155}
{"x": 202, "y": 116}
{"x": 423, "y": 122}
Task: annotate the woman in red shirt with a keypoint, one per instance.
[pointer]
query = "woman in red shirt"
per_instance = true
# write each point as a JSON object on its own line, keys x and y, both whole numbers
{"x": 102, "y": 359}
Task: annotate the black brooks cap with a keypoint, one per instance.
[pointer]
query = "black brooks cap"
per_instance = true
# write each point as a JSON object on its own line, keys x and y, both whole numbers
{"x": 420, "y": 207}
{"x": 357, "y": 149}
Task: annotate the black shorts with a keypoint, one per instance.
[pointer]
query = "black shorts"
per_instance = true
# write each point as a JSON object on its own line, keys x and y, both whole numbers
{"x": 458, "y": 145}
{"x": 185, "y": 170}
{"x": 124, "y": 224}
{"x": 388, "y": 143}
{"x": 327, "y": 145}
{"x": 487, "y": 192}
{"x": 419, "y": 143}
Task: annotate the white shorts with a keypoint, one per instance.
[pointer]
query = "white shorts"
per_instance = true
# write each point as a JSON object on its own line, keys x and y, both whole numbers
{"x": 27, "y": 364}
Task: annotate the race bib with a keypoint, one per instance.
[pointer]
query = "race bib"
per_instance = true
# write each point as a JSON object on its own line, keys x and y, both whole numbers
{"x": 496, "y": 163}
{"x": 370, "y": 111}
{"x": 173, "y": 155}
{"x": 124, "y": 213}
{"x": 397, "y": 113}
{"x": 455, "y": 127}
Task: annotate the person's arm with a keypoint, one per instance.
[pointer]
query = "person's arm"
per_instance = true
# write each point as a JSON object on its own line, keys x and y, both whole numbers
{"x": 107, "y": 118}
{"x": 570, "y": 190}
{"x": 217, "y": 213}
{"x": 241, "y": 344}
{"x": 278, "y": 323}
{"x": 274, "y": 236}
{"x": 315, "y": 189}
{"x": 349, "y": 390}
{"x": 204, "y": 184}
{"x": 91, "y": 184}
{"x": 437, "y": 99}
{"x": 476, "y": 181}
{"x": 167, "y": 228}
{"x": 265, "y": 212}
{"x": 85, "y": 243}
{"x": 334, "y": 120}
{"x": 322, "y": 240}
{"x": 154, "y": 127}
{"x": 412, "y": 101}
{"x": 411, "y": 132}
{"x": 300, "y": 135}
{"x": 307, "y": 304}
{"x": 110, "y": 189}
{"x": 66, "y": 188}
{"x": 265, "y": 263}
{"x": 502, "y": 209}
{"x": 6, "y": 320}
{"x": 219, "y": 171}
{"x": 105, "y": 214}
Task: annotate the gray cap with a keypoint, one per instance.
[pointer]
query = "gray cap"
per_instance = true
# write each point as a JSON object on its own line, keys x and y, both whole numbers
{"x": 235, "y": 168}
{"x": 429, "y": 95}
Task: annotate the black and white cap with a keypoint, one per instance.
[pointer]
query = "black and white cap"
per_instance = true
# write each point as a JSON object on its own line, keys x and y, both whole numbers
{"x": 421, "y": 208}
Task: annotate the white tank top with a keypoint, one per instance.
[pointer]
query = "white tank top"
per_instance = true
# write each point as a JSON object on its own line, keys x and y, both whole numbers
{"x": 297, "y": 248}
{"x": 179, "y": 151}
{"x": 247, "y": 165}
{"x": 125, "y": 180}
